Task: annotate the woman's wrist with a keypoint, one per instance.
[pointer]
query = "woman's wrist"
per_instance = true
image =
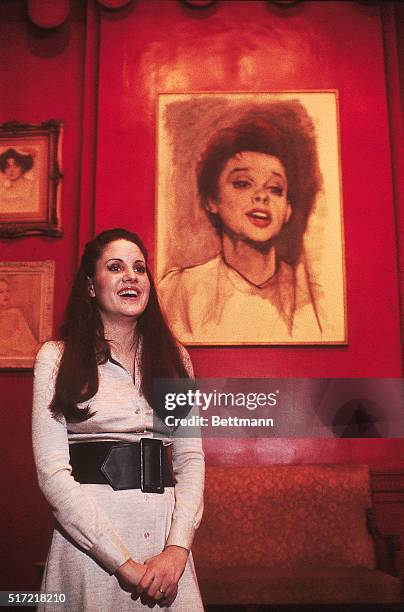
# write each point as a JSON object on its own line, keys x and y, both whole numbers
{"x": 128, "y": 569}
{"x": 178, "y": 556}
{"x": 180, "y": 550}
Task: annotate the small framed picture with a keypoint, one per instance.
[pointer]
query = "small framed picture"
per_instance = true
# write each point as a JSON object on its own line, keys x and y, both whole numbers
{"x": 26, "y": 310}
{"x": 30, "y": 178}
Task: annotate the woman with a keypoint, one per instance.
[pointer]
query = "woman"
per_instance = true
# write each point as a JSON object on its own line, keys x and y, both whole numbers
{"x": 116, "y": 546}
{"x": 17, "y": 187}
{"x": 257, "y": 183}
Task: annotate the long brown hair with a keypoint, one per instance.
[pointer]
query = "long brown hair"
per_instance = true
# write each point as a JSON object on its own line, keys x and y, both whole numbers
{"x": 85, "y": 346}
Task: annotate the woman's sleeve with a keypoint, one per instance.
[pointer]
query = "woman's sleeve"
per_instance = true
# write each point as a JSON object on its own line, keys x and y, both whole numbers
{"x": 73, "y": 508}
{"x": 189, "y": 472}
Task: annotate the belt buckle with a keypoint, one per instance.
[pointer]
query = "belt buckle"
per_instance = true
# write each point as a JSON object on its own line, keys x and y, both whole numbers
{"x": 151, "y": 465}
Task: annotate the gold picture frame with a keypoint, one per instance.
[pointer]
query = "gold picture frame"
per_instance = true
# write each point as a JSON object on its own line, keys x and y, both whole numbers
{"x": 26, "y": 310}
{"x": 209, "y": 293}
{"x": 30, "y": 178}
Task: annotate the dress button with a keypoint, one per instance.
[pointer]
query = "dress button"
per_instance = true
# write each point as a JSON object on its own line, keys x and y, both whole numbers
{"x": 146, "y": 535}
{"x": 146, "y": 497}
{"x": 137, "y": 410}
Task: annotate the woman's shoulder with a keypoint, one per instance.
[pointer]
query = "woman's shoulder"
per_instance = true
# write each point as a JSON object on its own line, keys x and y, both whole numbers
{"x": 50, "y": 350}
{"x": 182, "y": 287}
{"x": 191, "y": 273}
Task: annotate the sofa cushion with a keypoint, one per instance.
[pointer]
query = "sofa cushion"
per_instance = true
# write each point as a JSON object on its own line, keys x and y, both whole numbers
{"x": 314, "y": 585}
{"x": 290, "y": 516}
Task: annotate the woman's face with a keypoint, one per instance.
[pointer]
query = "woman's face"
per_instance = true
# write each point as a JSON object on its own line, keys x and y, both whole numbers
{"x": 120, "y": 285}
{"x": 253, "y": 197}
{"x": 12, "y": 170}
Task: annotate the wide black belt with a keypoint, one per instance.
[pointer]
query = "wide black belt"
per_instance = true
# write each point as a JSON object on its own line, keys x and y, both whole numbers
{"x": 123, "y": 465}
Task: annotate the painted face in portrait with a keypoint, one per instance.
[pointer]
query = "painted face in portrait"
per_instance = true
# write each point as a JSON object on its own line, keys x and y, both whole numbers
{"x": 120, "y": 285}
{"x": 12, "y": 171}
{"x": 253, "y": 197}
{"x": 4, "y": 294}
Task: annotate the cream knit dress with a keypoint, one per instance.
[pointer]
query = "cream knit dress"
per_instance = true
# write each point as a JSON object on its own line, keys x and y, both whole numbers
{"x": 97, "y": 528}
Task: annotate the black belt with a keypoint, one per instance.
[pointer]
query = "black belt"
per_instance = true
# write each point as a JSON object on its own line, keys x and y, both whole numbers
{"x": 123, "y": 465}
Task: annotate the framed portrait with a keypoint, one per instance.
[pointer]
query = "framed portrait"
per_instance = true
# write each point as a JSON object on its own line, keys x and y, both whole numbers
{"x": 30, "y": 178}
{"x": 249, "y": 218}
{"x": 26, "y": 310}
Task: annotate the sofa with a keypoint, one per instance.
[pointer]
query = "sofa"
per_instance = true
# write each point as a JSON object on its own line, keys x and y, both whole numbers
{"x": 293, "y": 534}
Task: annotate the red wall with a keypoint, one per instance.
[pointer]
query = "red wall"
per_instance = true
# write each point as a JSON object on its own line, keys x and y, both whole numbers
{"x": 41, "y": 78}
{"x": 153, "y": 46}
{"x": 317, "y": 45}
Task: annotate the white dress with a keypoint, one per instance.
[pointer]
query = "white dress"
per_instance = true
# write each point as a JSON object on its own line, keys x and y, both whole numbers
{"x": 97, "y": 528}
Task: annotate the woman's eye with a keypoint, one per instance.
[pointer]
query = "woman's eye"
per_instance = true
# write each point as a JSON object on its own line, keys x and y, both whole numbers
{"x": 140, "y": 268}
{"x": 276, "y": 189}
{"x": 114, "y": 267}
{"x": 241, "y": 184}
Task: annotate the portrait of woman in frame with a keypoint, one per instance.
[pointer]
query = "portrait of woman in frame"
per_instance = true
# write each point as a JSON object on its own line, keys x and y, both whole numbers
{"x": 30, "y": 178}
{"x": 26, "y": 310}
{"x": 249, "y": 218}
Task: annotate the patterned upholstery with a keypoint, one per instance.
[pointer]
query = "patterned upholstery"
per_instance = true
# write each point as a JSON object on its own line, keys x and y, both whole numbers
{"x": 285, "y": 534}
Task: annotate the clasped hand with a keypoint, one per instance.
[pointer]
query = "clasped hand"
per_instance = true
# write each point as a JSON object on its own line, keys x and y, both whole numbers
{"x": 157, "y": 579}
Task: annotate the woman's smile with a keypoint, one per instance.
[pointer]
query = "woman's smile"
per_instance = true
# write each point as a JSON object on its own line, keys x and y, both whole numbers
{"x": 129, "y": 293}
{"x": 259, "y": 217}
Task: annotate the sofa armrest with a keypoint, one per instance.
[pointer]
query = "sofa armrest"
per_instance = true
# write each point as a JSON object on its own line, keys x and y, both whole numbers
{"x": 386, "y": 546}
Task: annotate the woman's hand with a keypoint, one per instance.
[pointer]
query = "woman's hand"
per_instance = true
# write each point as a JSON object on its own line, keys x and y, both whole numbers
{"x": 160, "y": 580}
{"x": 129, "y": 575}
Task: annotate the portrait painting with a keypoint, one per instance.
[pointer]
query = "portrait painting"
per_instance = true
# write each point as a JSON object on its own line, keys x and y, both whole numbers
{"x": 30, "y": 178}
{"x": 249, "y": 218}
{"x": 26, "y": 310}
